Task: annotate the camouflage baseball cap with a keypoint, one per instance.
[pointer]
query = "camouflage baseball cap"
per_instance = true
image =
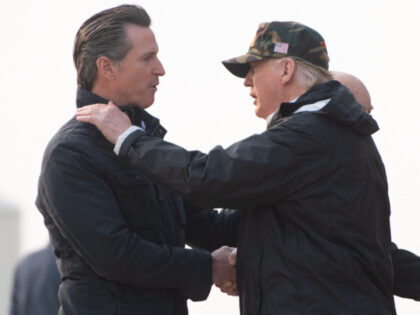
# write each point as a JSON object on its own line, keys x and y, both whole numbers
{"x": 278, "y": 40}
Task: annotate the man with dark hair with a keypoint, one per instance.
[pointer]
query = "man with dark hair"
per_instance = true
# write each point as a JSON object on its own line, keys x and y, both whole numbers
{"x": 104, "y": 34}
{"x": 314, "y": 235}
{"x": 119, "y": 239}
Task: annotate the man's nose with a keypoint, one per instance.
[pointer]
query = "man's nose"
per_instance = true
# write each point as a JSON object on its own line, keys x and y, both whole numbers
{"x": 248, "y": 79}
{"x": 159, "y": 70}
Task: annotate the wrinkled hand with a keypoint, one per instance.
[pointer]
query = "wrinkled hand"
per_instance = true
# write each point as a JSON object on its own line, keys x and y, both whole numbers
{"x": 224, "y": 271}
{"x": 229, "y": 288}
{"x": 109, "y": 119}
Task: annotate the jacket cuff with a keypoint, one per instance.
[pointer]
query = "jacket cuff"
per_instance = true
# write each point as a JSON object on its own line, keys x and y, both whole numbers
{"x": 121, "y": 148}
{"x": 204, "y": 280}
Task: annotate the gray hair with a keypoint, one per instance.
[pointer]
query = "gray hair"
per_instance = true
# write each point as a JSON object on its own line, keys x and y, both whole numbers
{"x": 104, "y": 34}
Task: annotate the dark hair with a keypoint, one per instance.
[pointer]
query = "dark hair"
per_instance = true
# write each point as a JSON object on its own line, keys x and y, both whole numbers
{"x": 104, "y": 35}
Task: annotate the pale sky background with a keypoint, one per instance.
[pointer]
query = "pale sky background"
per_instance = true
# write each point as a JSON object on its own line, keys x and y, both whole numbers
{"x": 198, "y": 101}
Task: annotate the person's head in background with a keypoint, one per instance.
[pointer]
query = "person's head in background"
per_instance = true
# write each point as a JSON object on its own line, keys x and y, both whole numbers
{"x": 356, "y": 87}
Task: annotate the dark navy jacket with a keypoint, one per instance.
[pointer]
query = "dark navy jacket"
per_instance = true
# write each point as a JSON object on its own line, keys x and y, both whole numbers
{"x": 312, "y": 192}
{"x": 35, "y": 285}
{"x": 119, "y": 239}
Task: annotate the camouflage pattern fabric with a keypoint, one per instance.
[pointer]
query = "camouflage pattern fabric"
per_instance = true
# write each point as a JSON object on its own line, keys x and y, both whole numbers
{"x": 278, "y": 40}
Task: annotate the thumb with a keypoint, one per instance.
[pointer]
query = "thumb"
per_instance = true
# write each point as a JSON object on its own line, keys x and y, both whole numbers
{"x": 232, "y": 258}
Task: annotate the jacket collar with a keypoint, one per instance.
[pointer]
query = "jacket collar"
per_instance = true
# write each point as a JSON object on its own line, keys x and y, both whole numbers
{"x": 313, "y": 95}
{"x": 138, "y": 116}
{"x": 342, "y": 107}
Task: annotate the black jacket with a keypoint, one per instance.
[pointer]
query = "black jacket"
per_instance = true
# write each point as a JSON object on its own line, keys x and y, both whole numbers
{"x": 406, "y": 273}
{"x": 119, "y": 238}
{"x": 314, "y": 232}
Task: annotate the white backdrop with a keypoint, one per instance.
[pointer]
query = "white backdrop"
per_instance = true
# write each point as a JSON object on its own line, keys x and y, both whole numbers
{"x": 198, "y": 101}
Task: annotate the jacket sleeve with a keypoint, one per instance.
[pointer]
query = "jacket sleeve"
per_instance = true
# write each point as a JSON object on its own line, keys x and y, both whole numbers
{"x": 251, "y": 172}
{"x": 210, "y": 229}
{"x": 87, "y": 214}
{"x": 406, "y": 273}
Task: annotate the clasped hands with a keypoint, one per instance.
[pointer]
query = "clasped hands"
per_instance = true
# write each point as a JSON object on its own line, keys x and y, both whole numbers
{"x": 224, "y": 269}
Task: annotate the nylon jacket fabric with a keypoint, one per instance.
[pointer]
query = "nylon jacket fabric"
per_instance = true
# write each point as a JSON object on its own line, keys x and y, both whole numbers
{"x": 119, "y": 239}
{"x": 314, "y": 234}
{"x": 407, "y": 273}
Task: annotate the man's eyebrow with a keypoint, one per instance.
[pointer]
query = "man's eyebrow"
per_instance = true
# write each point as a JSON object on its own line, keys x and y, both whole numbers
{"x": 148, "y": 54}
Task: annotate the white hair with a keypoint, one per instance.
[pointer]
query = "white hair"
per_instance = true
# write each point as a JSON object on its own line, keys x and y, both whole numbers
{"x": 307, "y": 74}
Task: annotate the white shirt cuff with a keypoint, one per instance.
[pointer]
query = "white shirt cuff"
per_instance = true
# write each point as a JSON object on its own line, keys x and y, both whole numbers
{"x": 123, "y": 136}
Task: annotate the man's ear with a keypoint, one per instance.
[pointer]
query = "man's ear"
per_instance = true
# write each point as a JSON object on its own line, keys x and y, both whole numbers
{"x": 105, "y": 67}
{"x": 288, "y": 70}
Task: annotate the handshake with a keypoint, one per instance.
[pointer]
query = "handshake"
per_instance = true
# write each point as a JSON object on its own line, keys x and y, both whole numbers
{"x": 224, "y": 270}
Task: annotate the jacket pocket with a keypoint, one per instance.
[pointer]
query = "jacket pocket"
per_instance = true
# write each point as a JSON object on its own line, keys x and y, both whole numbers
{"x": 136, "y": 197}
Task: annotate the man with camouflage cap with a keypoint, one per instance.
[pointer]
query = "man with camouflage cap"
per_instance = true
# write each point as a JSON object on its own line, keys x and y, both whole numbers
{"x": 314, "y": 235}
{"x": 272, "y": 41}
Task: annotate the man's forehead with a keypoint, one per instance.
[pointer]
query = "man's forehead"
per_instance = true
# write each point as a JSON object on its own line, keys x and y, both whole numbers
{"x": 142, "y": 38}
{"x": 257, "y": 63}
{"x": 135, "y": 32}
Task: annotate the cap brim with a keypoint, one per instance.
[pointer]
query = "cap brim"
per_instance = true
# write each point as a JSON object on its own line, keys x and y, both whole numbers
{"x": 239, "y": 66}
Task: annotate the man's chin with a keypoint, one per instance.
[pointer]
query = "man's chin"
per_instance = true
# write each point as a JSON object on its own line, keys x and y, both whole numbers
{"x": 259, "y": 114}
{"x": 143, "y": 105}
